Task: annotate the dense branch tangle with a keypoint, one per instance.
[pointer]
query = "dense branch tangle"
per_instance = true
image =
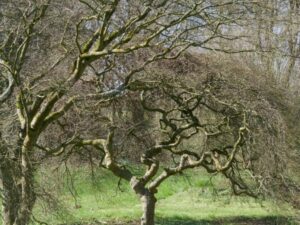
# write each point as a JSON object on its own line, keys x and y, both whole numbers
{"x": 111, "y": 39}
{"x": 148, "y": 29}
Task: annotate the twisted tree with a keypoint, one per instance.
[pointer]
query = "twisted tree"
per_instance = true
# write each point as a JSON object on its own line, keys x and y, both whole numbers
{"x": 195, "y": 124}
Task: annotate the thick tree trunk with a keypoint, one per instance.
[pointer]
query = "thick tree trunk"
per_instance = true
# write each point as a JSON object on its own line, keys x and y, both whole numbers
{"x": 28, "y": 199}
{"x": 147, "y": 198}
{"x": 18, "y": 199}
{"x": 10, "y": 194}
{"x": 148, "y": 203}
{"x": 28, "y": 196}
{"x": 17, "y": 190}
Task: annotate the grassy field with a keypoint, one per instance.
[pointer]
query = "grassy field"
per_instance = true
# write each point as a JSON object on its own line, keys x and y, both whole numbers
{"x": 190, "y": 199}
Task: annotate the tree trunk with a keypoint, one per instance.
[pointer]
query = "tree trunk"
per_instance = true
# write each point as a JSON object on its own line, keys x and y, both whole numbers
{"x": 10, "y": 193}
{"x": 148, "y": 203}
{"x": 27, "y": 202}
{"x": 18, "y": 195}
{"x": 28, "y": 196}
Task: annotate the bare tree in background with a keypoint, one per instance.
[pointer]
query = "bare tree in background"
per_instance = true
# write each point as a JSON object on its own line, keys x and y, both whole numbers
{"x": 271, "y": 28}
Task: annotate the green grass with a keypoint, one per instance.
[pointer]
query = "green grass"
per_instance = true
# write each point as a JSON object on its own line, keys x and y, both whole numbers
{"x": 191, "y": 199}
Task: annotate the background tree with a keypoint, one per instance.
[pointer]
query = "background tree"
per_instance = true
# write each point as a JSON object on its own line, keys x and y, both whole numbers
{"x": 270, "y": 27}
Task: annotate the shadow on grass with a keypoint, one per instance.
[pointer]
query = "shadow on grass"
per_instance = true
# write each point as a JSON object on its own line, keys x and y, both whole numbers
{"x": 188, "y": 221}
{"x": 227, "y": 221}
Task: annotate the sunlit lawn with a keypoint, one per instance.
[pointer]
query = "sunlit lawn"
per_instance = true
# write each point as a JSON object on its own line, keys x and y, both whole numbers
{"x": 191, "y": 199}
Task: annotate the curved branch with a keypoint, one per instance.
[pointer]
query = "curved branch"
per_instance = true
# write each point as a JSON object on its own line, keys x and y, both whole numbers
{"x": 8, "y": 90}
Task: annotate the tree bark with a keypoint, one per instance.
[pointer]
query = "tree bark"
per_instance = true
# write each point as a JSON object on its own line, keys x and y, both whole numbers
{"x": 18, "y": 196}
{"x": 148, "y": 204}
{"x": 10, "y": 193}
{"x": 28, "y": 196}
{"x": 28, "y": 199}
{"x": 147, "y": 199}
{"x": 17, "y": 187}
